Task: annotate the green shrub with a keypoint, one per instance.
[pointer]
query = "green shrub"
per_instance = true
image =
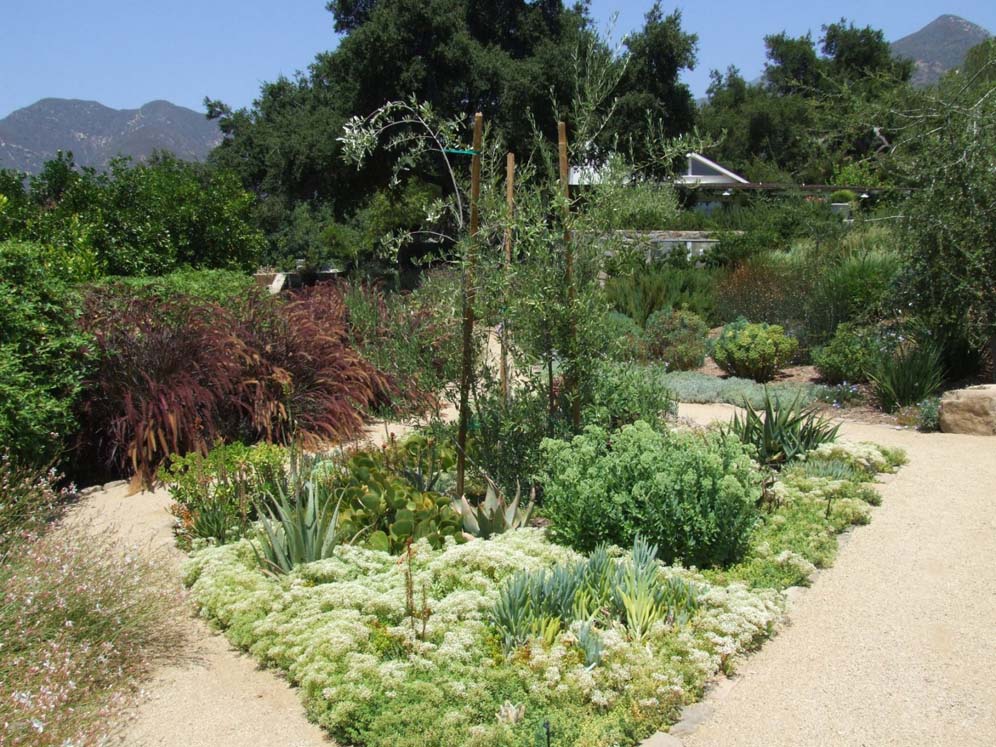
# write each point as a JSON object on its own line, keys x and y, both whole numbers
{"x": 692, "y": 495}
{"x": 909, "y": 375}
{"x": 843, "y": 195}
{"x": 647, "y": 289}
{"x": 679, "y": 339}
{"x": 214, "y": 495}
{"x": 849, "y": 355}
{"x": 929, "y": 417}
{"x": 622, "y": 394}
{"x": 625, "y": 335}
{"x": 756, "y": 351}
{"x": 781, "y": 433}
{"x": 227, "y": 288}
{"x": 848, "y": 289}
{"x": 43, "y": 356}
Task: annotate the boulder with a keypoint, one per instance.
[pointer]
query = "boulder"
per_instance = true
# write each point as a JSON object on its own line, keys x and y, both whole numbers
{"x": 971, "y": 411}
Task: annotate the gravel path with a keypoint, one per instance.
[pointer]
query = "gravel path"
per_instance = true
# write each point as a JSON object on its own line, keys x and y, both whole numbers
{"x": 896, "y": 644}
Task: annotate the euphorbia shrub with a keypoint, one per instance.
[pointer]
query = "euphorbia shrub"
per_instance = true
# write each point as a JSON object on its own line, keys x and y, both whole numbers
{"x": 753, "y": 351}
{"x": 692, "y": 495}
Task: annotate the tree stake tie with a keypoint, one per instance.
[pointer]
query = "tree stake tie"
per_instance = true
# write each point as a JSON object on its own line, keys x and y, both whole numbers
{"x": 461, "y": 152}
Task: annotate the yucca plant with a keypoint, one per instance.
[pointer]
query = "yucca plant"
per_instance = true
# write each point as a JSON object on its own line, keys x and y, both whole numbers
{"x": 782, "y": 433}
{"x": 910, "y": 375}
{"x": 299, "y": 526}
{"x": 494, "y": 515}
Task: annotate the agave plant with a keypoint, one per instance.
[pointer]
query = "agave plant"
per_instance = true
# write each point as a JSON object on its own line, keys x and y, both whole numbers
{"x": 299, "y": 526}
{"x": 782, "y": 433}
{"x": 494, "y": 515}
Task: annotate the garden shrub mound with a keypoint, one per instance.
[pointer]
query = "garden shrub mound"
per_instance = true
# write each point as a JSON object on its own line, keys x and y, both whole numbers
{"x": 693, "y": 495}
{"x": 403, "y": 654}
{"x": 755, "y": 351}
{"x": 678, "y": 339}
{"x": 42, "y": 361}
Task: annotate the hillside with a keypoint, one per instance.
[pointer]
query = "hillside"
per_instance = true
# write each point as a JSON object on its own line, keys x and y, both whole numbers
{"x": 939, "y": 46}
{"x": 96, "y": 133}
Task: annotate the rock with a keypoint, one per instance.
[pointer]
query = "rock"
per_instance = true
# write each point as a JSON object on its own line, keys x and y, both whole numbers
{"x": 691, "y": 717}
{"x": 970, "y": 411}
{"x": 660, "y": 739}
{"x": 114, "y": 484}
{"x": 90, "y": 490}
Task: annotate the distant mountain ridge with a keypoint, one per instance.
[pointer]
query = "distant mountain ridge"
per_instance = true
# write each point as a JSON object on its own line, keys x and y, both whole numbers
{"x": 96, "y": 133}
{"x": 939, "y": 46}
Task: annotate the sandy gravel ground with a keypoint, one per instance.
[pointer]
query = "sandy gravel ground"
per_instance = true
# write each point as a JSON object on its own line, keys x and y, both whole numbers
{"x": 896, "y": 644}
{"x": 218, "y": 698}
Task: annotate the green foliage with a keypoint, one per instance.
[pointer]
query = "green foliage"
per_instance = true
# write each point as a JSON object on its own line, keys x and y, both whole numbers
{"x": 494, "y": 514}
{"x": 756, "y": 351}
{"x": 949, "y": 225}
{"x": 632, "y": 590}
{"x": 143, "y": 219}
{"x": 623, "y": 394}
{"x": 929, "y": 415}
{"x": 908, "y": 375}
{"x": 645, "y": 290}
{"x": 227, "y": 288}
{"x": 412, "y": 337}
{"x": 299, "y": 525}
{"x": 626, "y": 336}
{"x": 781, "y": 433}
{"x": 693, "y": 495}
{"x": 843, "y": 195}
{"x": 214, "y": 495}
{"x": 850, "y": 355}
{"x": 384, "y": 510}
{"x": 805, "y": 116}
{"x": 633, "y": 205}
{"x": 43, "y": 355}
{"x": 678, "y": 339}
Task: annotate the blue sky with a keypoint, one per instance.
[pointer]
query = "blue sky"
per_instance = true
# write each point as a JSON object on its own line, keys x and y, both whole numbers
{"x": 126, "y": 52}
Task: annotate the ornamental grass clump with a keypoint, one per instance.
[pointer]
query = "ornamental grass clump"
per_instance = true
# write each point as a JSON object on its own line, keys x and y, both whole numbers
{"x": 907, "y": 376}
{"x": 693, "y": 495}
{"x": 754, "y": 351}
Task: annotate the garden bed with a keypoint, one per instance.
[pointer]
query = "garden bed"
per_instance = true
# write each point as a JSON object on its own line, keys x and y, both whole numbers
{"x": 412, "y": 650}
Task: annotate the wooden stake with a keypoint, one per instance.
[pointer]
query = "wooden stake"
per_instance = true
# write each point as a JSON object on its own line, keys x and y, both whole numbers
{"x": 510, "y": 204}
{"x": 570, "y": 376}
{"x": 469, "y": 293}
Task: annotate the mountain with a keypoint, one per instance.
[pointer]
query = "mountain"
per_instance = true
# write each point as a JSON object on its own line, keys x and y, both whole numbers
{"x": 96, "y": 133}
{"x": 939, "y": 46}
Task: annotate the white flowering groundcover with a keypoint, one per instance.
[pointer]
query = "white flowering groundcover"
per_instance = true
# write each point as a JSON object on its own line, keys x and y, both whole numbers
{"x": 398, "y": 650}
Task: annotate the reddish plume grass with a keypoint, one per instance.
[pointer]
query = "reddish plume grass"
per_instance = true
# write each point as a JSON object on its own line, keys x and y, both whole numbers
{"x": 176, "y": 374}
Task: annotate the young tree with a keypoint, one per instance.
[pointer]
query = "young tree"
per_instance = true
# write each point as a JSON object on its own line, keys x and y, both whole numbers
{"x": 947, "y": 154}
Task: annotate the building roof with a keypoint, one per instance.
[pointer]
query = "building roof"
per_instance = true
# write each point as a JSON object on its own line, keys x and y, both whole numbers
{"x": 702, "y": 171}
